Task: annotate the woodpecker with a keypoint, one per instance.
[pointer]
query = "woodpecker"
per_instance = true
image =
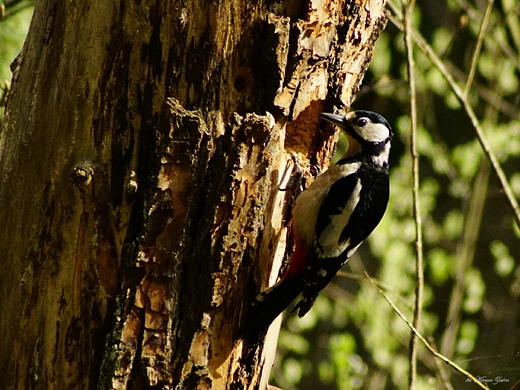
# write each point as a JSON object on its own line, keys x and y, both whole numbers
{"x": 332, "y": 217}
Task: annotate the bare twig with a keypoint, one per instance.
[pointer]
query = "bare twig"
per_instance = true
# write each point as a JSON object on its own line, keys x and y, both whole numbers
{"x": 386, "y": 287}
{"x": 441, "y": 369}
{"x": 478, "y": 46}
{"x": 407, "y": 14}
{"x": 426, "y": 343}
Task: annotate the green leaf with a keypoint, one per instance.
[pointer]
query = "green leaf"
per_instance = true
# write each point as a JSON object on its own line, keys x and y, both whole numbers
{"x": 467, "y": 338}
{"x": 475, "y": 289}
{"x": 440, "y": 264}
{"x": 504, "y": 262}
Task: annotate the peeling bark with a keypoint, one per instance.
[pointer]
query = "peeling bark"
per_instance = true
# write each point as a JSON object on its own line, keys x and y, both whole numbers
{"x": 140, "y": 158}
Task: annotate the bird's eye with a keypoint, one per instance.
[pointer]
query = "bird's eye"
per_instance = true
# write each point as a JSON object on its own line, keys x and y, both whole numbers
{"x": 361, "y": 122}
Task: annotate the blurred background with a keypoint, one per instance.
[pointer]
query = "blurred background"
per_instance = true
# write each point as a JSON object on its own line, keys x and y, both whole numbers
{"x": 353, "y": 339}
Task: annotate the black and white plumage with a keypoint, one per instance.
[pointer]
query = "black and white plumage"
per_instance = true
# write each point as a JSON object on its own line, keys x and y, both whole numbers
{"x": 333, "y": 216}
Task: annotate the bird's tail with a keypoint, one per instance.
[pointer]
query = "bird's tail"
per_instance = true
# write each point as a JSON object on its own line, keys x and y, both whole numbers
{"x": 269, "y": 304}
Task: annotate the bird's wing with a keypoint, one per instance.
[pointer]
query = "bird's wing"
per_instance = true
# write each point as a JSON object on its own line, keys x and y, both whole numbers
{"x": 335, "y": 212}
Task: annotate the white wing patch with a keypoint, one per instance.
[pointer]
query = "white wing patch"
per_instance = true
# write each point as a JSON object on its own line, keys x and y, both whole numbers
{"x": 309, "y": 202}
{"x": 373, "y": 132}
{"x": 329, "y": 240}
{"x": 352, "y": 250}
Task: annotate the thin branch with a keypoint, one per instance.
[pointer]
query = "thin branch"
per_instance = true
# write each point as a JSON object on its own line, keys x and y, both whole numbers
{"x": 428, "y": 51}
{"x": 426, "y": 343}
{"x": 386, "y": 287}
{"x": 478, "y": 46}
{"x": 407, "y": 15}
{"x": 441, "y": 368}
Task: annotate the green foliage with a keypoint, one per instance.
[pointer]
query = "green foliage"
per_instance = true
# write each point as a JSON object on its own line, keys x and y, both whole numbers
{"x": 348, "y": 367}
{"x": 504, "y": 262}
{"x": 12, "y": 34}
{"x": 467, "y": 158}
{"x": 13, "y": 30}
{"x": 440, "y": 265}
{"x": 468, "y": 336}
{"x": 475, "y": 289}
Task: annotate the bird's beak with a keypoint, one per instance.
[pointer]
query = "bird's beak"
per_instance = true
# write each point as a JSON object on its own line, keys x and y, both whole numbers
{"x": 338, "y": 120}
{"x": 354, "y": 147}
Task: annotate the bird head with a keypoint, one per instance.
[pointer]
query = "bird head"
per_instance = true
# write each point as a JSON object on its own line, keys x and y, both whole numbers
{"x": 368, "y": 134}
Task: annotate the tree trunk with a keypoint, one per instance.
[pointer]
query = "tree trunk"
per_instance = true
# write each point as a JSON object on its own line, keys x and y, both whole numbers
{"x": 140, "y": 157}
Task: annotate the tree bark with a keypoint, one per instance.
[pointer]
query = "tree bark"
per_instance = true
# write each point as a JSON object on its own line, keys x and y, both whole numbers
{"x": 140, "y": 158}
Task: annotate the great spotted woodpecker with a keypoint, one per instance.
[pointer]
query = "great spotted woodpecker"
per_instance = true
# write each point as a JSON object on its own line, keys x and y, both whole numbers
{"x": 332, "y": 217}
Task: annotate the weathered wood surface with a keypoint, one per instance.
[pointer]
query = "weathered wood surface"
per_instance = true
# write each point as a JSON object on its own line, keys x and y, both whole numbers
{"x": 140, "y": 158}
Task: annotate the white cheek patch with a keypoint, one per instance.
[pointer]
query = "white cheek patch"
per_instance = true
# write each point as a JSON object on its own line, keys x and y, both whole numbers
{"x": 329, "y": 240}
{"x": 373, "y": 132}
